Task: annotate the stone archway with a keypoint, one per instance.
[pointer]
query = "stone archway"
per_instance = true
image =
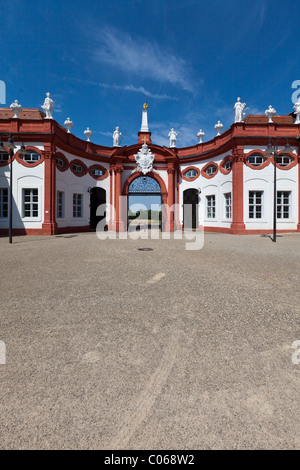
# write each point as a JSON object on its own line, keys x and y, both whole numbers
{"x": 149, "y": 185}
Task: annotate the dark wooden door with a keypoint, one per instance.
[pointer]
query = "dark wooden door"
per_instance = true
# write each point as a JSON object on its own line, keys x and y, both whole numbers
{"x": 190, "y": 198}
{"x": 97, "y": 197}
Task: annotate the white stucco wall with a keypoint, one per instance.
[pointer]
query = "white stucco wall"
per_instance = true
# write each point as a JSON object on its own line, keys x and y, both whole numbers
{"x": 218, "y": 186}
{"x": 24, "y": 178}
{"x": 71, "y": 184}
{"x": 263, "y": 180}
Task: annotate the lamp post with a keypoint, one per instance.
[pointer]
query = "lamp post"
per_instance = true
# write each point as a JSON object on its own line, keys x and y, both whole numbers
{"x": 11, "y": 146}
{"x": 272, "y": 149}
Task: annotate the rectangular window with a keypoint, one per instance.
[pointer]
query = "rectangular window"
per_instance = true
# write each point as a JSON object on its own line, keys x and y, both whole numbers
{"x": 283, "y": 204}
{"x": 228, "y": 210}
{"x": 211, "y": 207}
{"x": 3, "y": 203}
{"x": 77, "y": 205}
{"x": 60, "y": 213}
{"x": 30, "y": 202}
{"x": 255, "y": 204}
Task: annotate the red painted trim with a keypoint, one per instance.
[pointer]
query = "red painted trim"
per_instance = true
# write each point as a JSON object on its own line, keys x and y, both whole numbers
{"x": 262, "y": 154}
{"x": 64, "y": 158}
{"x": 86, "y": 228}
{"x": 205, "y": 168}
{"x": 188, "y": 169}
{"x": 245, "y": 133}
{"x": 30, "y": 165}
{"x": 98, "y": 167}
{"x": 222, "y": 164}
{"x": 298, "y": 226}
{"x": 80, "y": 228}
{"x": 45, "y": 232}
{"x": 246, "y": 232}
{"x": 79, "y": 162}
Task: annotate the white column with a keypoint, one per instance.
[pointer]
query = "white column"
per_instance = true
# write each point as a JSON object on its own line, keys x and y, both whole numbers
{"x": 144, "y": 127}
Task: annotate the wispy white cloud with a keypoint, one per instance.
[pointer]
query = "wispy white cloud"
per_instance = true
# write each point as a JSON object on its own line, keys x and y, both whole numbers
{"x": 130, "y": 87}
{"x": 142, "y": 57}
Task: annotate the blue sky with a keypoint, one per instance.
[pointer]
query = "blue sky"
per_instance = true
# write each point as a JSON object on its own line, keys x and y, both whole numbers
{"x": 100, "y": 59}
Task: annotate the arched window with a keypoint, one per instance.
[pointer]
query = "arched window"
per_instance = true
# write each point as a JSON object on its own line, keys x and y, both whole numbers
{"x": 284, "y": 160}
{"x": 77, "y": 168}
{"x": 190, "y": 173}
{"x": 228, "y": 165}
{"x": 60, "y": 163}
{"x": 31, "y": 156}
{"x": 256, "y": 160}
{"x": 97, "y": 172}
{"x": 211, "y": 170}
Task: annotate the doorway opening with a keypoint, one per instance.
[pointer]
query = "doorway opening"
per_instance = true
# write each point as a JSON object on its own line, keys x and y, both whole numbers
{"x": 97, "y": 197}
{"x": 190, "y": 208}
{"x": 144, "y": 204}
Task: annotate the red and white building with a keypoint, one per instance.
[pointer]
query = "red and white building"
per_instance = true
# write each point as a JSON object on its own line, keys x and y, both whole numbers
{"x": 59, "y": 183}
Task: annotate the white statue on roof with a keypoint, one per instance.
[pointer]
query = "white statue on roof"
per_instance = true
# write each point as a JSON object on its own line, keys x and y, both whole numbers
{"x": 173, "y": 134}
{"x": 270, "y": 112}
{"x": 48, "y": 106}
{"x": 117, "y": 137}
{"x": 297, "y": 111}
{"x": 239, "y": 110}
{"x": 16, "y": 107}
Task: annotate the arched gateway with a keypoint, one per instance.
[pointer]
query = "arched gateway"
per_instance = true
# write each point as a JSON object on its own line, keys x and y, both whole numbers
{"x": 144, "y": 203}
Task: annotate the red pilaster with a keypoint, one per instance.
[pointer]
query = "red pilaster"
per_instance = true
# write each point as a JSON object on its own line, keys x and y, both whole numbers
{"x": 49, "y": 226}
{"x": 112, "y": 204}
{"x": 171, "y": 196}
{"x": 238, "y": 157}
{"x": 118, "y": 193}
{"x": 298, "y": 226}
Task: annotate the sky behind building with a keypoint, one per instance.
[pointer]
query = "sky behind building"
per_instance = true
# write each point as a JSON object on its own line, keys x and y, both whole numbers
{"x": 191, "y": 59}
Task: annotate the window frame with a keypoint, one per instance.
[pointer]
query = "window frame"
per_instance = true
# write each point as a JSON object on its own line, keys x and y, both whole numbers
{"x": 30, "y": 149}
{"x": 34, "y": 206}
{"x": 183, "y": 173}
{"x": 228, "y": 206}
{"x": 254, "y": 156}
{"x": 282, "y": 205}
{"x": 223, "y": 163}
{"x": 31, "y": 161}
{"x": 282, "y": 156}
{"x": 4, "y": 203}
{"x": 212, "y": 207}
{"x": 98, "y": 167}
{"x": 79, "y": 163}
{"x": 60, "y": 205}
{"x": 76, "y": 197}
{"x": 256, "y": 205}
{"x": 208, "y": 165}
{"x": 257, "y": 153}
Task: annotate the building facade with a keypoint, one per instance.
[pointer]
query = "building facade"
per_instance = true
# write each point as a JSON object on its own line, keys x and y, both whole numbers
{"x": 61, "y": 180}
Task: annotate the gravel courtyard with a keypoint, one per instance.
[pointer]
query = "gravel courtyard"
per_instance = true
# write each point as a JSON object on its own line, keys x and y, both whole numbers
{"x": 110, "y": 347}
